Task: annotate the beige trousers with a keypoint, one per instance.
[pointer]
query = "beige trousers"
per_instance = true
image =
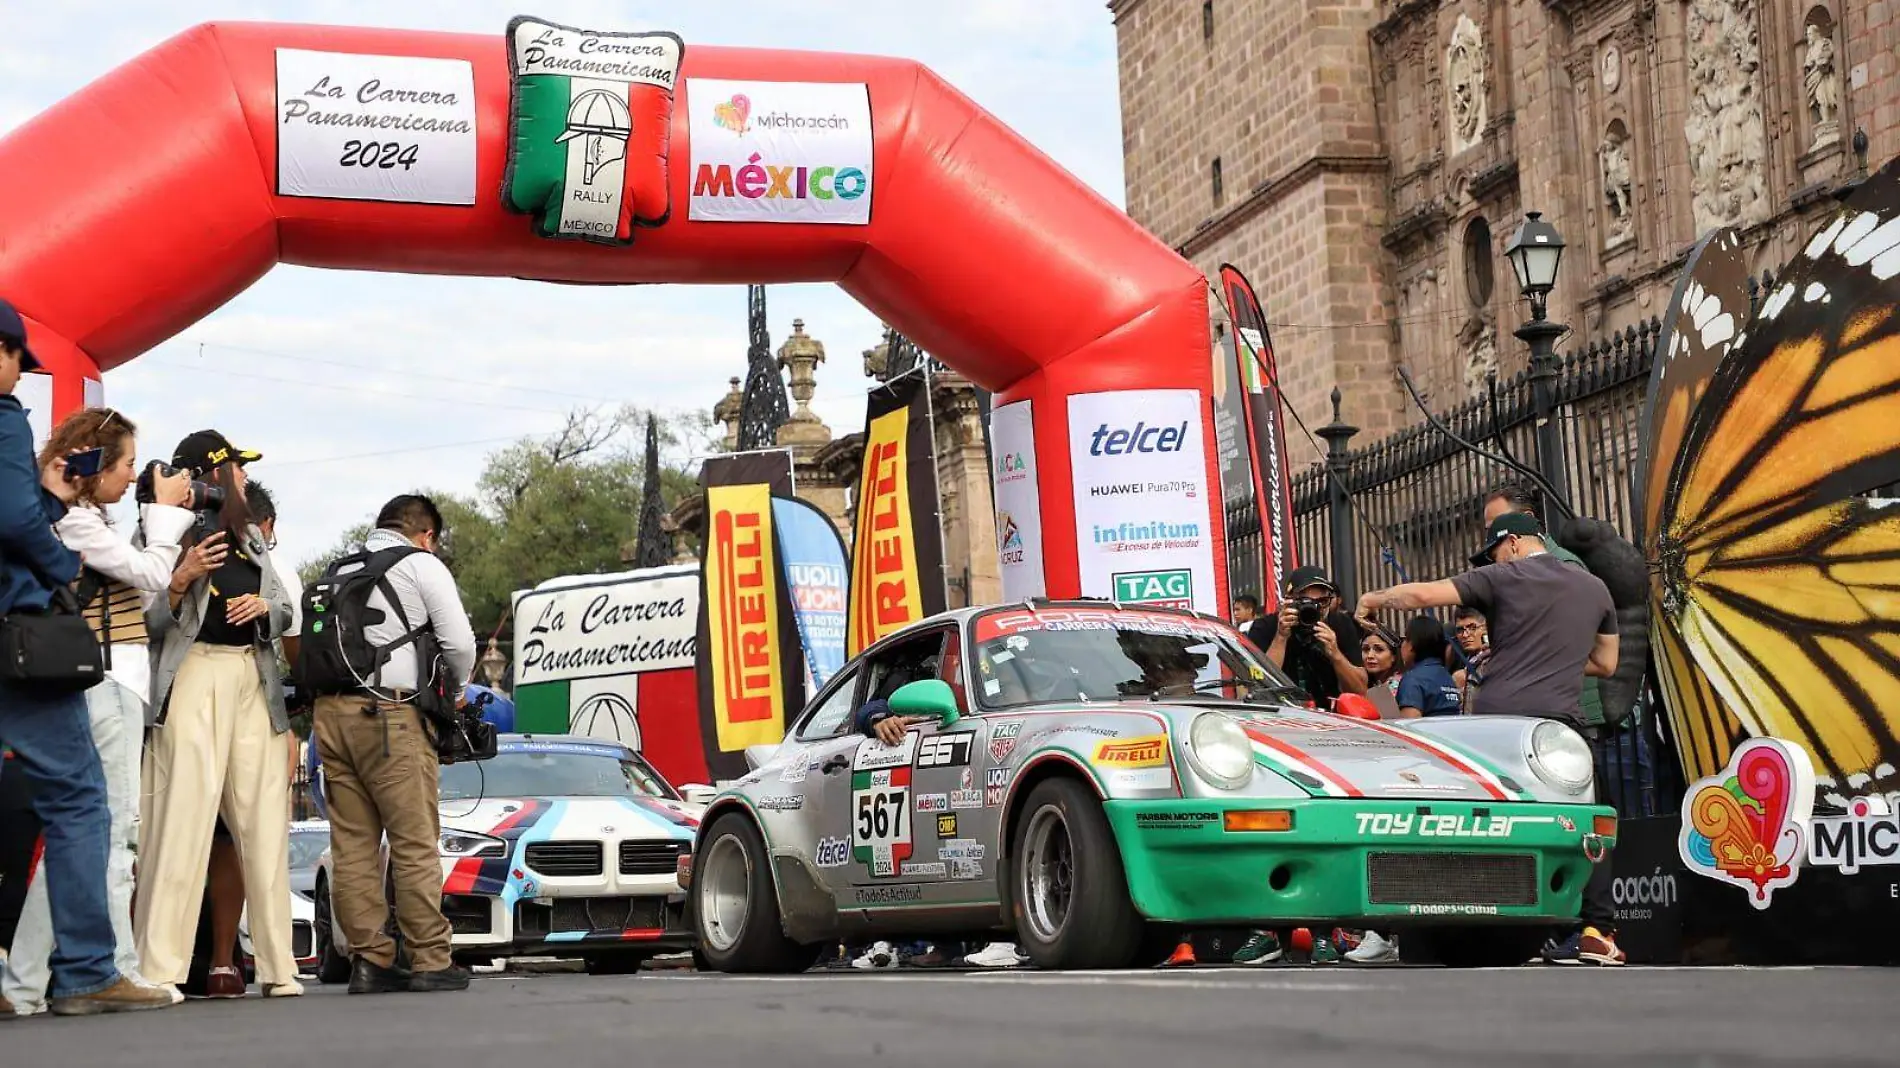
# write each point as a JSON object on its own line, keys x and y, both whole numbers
{"x": 215, "y": 754}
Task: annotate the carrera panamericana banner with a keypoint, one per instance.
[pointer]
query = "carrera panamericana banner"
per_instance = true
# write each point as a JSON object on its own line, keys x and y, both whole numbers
{"x": 1266, "y": 435}
{"x": 897, "y": 547}
{"x": 589, "y": 128}
{"x": 749, "y": 667}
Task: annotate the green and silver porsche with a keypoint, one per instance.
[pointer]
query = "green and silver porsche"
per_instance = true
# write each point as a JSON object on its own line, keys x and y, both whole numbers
{"x": 1091, "y": 780}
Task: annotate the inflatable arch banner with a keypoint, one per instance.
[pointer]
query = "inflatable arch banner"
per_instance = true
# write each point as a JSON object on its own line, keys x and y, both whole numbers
{"x": 158, "y": 192}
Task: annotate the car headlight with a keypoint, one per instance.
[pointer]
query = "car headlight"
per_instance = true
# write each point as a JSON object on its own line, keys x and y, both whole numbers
{"x": 1220, "y": 751}
{"x": 1561, "y": 757}
{"x": 469, "y": 844}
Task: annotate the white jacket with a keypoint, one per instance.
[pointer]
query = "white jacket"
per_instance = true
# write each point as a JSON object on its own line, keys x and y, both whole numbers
{"x": 87, "y": 531}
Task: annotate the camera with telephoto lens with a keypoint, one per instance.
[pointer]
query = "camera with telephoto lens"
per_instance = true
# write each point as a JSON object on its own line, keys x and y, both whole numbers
{"x": 1311, "y": 612}
{"x": 203, "y": 496}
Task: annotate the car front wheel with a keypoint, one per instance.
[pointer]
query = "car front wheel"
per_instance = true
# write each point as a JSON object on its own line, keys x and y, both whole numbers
{"x": 332, "y": 967}
{"x": 735, "y": 910}
{"x": 1070, "y": 895}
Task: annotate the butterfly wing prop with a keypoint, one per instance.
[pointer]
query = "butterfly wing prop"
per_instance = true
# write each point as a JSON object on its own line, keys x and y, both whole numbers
{"x": 1706, "y": 315}
{"x": 1781, "y": 581}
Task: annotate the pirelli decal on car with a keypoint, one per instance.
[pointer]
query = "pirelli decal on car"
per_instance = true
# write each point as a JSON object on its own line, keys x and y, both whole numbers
{"x": 1445, "y": 825}
{"x": 1149, "y": 752}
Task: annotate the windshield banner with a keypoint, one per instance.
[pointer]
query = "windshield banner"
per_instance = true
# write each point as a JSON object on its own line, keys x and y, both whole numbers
{"x": 816, "y": 574}
{"x": 897, "y": 554}
{"x": 750, "y": 667}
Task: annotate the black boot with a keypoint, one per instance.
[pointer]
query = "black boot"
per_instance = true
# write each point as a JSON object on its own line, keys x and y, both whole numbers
{"x": 368, "y": 977}
{"x": 452, "y": 977}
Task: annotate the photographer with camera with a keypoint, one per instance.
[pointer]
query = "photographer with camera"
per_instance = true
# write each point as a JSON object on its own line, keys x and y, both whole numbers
{"x": 46, "y": 727}
{"x": 222, "y": 737}
{"x": 1316, "y": 642}
{"x": 88, "y": 464}
{"x": 382, "y": 705}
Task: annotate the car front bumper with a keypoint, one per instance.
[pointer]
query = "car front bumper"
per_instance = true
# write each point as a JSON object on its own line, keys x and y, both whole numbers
{"x": 1382, "y": 862}
{"x": 502, "y": 926}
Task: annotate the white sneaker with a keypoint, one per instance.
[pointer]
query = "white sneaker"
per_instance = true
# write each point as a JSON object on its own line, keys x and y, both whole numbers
{"x": 881, "y": 955}
{"x": 171, "y": 989}
{"x": 1373, "y": 949}
{"x": 996, "y": 955}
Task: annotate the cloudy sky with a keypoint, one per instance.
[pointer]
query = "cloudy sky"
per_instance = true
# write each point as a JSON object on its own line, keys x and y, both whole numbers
{"x": 327, "y": 372}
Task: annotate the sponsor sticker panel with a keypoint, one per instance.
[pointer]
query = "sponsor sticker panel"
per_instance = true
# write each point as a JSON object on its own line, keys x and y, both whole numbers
{"x": 1018, "y": 502}
{"x": 1143, "y": 520}
{"x": 780, "y": 152}
{"x": 361, "y": 127}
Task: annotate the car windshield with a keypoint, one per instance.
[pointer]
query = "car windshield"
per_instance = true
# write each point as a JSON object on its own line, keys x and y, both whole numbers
{"x": 1029, "y": 657}
{"x": 554, "y": 769}
{"x": 306, "y": 847}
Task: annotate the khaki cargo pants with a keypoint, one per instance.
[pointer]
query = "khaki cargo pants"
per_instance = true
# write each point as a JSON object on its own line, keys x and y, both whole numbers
{"x": 380, "y": 777}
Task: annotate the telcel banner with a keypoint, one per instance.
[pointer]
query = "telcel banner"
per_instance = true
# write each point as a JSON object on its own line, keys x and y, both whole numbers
{"x": 817, "y": 576}
{"x": 1018, "y": 508}
{"x": 749, "y": 669}
{"x": 897, "y": 551}
{"x": 588, "y": 136}
{"x": 1142, "y": 522}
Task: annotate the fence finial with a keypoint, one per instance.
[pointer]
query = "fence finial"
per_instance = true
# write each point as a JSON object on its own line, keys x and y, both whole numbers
{"x": 1336, "y": 399}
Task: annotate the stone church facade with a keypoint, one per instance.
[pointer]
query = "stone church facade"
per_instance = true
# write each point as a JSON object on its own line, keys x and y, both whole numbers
{"x": 1366, "y": 161}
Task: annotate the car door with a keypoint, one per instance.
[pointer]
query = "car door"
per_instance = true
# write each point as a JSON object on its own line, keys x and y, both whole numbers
{"x": 817, "y": 764}
{"x": 948, "y": 784}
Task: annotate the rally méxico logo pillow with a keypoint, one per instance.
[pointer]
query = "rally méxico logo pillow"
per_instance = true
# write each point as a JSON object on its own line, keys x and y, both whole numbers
{"x": 588, "y": 129}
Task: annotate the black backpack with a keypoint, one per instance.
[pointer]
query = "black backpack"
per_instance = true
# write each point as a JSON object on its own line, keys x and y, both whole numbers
{"x": 335, "y": 656}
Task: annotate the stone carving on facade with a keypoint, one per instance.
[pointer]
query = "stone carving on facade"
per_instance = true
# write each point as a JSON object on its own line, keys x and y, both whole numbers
{"x": 1612, "y": 69}
{"x": 1614, "y": 163}
{"x": 1823, "y": 85}
{"x": 1465, "y": 83}
{"x": 1727, "y": 136}
{"x": 1480, "y": 341}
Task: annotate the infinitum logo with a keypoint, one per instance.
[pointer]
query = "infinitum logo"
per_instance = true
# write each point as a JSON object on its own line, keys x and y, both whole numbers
{"x": 1133, "y": 537}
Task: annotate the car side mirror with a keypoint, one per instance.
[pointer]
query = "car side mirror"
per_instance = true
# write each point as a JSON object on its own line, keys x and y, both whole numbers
{"x": 1358, "y": 706}
{"x": 927, "y": 697}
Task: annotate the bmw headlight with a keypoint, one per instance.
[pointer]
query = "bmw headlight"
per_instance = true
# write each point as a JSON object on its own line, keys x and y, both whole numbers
{"x": 461, "y": 844}
{"x": 1561, "y": 757}
{"x": 1219, "y": 751}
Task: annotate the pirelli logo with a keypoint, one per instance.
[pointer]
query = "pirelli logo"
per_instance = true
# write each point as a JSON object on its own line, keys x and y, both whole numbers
{"x": 742, "y": 611}
{"x": 1149, "y": 752}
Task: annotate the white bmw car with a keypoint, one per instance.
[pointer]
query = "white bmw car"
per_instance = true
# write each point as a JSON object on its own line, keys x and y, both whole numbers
{"x": 558, "y": 846}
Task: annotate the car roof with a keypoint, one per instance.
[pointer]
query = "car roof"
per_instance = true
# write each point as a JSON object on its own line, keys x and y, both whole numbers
{"x": 1037, "y": 604}
{"x": 565, "y": 739}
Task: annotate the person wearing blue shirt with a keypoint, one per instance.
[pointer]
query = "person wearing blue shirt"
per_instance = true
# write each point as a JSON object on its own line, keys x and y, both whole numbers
{"x": 51, "y": 734}
{"x": 1426, "y": 688}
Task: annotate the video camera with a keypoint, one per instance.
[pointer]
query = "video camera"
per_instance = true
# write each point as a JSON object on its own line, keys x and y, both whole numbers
{"x": 204, "y": 496}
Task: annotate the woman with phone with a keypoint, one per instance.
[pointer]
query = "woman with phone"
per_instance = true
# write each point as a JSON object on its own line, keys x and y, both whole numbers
{"x": 89, "y": 463}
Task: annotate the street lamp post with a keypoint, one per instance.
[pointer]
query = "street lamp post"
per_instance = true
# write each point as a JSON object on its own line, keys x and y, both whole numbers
{"x": 1535, "y": 251}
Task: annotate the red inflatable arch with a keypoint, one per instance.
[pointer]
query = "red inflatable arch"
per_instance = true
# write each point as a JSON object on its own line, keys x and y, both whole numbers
{"x": 148, "y": 199}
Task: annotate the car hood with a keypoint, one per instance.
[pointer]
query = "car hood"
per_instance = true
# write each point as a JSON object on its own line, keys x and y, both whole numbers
{"x": 574, "y": 817}
{"x": 1328, "y": 755}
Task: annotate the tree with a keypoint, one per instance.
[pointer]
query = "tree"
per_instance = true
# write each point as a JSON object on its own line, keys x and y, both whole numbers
{"x": 562, "y": 504}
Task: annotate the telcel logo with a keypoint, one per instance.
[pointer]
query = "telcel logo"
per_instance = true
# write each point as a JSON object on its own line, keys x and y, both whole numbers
{"x": 1143, "y": 438}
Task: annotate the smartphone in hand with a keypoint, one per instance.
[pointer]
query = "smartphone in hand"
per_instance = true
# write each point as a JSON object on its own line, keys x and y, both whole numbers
{"x": 84, "y": 464}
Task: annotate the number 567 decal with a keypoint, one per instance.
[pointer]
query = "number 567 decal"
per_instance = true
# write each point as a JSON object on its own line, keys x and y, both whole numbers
{"x": 880, "y": 827}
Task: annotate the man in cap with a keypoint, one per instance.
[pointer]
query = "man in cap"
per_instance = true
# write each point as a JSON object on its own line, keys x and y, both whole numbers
{"x": 51, "y": 734}
{"x": 1315, "y": 641}
{"x": 1551, "y": 624}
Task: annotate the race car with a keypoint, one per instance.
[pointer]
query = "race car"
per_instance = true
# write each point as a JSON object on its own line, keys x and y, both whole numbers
{"x": 558, "y": 846}
{"x": 1093, "y": 780}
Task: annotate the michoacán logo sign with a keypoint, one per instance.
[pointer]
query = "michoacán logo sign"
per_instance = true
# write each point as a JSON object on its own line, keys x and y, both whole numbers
{"x": 757, "y": 180}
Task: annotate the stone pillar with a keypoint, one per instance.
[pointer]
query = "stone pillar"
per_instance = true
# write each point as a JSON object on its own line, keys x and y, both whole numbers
{"x": 727, "y": 412}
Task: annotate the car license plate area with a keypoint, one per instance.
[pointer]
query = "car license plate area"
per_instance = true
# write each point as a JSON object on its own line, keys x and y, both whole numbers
{"x": 1395, "y": 878}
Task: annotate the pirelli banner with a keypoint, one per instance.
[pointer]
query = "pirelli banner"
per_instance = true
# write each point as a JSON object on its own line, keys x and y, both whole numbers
{"x": 897, "y": 545}
{"x": 749, "y": 666}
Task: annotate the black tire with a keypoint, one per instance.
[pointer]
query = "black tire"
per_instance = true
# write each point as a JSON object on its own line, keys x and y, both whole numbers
{"x": 614, "y": 963}
{"x": 1099, "y": 927}
{"x": 1471, "y": 947}
{"x": 332, "y": 967}
{"x": 758, "y": 945}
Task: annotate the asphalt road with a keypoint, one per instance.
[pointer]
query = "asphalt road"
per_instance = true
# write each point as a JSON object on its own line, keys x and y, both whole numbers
{"x": 1282, "y": 1016}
